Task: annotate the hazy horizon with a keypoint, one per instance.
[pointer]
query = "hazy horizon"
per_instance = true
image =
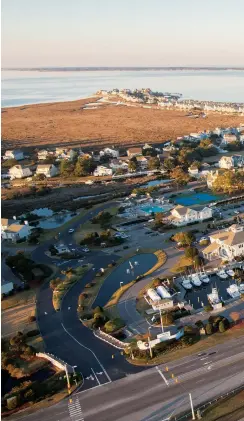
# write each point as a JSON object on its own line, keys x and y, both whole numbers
{"x": 140, "y": 33}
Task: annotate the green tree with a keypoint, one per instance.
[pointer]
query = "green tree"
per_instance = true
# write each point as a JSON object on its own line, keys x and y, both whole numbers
{"x": 222, "y": 327}
{"x": 185, "y": 238}
{"x": 229, "y": 182}
{"x": 169, "y": 164}
{"x": 191, "y": 252}
{"x": 66, "y": 167}
{"x": 180, "y": 176}
{"x": 132, "y": 165}
{"x": 84, "y": 166}
{"x": 209, "y": 329}
{"x": 153, "y": 163}
{"x": 113, "y": 325}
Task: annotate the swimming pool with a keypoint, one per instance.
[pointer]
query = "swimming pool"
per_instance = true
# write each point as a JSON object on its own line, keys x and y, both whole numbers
{"x": 196, "y": 199}
{"x": 152, "y": 209}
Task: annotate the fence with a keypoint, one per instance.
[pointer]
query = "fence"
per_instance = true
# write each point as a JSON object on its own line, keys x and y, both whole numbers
{"x": 55, "y": 361}
{"x": 110, "y": 339}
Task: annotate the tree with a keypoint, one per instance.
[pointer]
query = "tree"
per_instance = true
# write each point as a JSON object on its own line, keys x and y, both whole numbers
{"x": 54, "y": 283}
{"x": 132, "y": 165}
{"x": 229, "y": 182}
{"x": 84, "y": 166}
{"x": 149, "y": 152}
{"x": 66, "y": 167}
{"x": 191, "y": 252}
{"x": 197, "y": 261}
{"x": 167, "y": 319}
{"x": 169, "y": 164}
{"x": 222, "y": 327}
{"x": 185, "y": 238}
{"x": 178, "y": 174}
{"x": 113, "y": 325}
{"x": 209, "y": 329}
{"x": 153, "y": 163}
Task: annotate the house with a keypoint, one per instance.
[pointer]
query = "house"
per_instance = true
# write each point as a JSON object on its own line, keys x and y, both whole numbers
{"x": 226, "y": 244}
{"x": 42, "y": 155}
{"x": 62, "y": 249}
{"x": 49, "y": 170}
{"x": 17, "y": 171}
{"x": 15, "y": 231}
{"x": 102, "y": 171}
{"x": 182, "y": 215}
{"x": 233, "y": 161}
{"x": 134, "y": 152}
{"x": 228, "y": 138}
{"x": 142, "y": 162}
{"x": 193, "y": 171}
{"x": 64, "y": 153}
{"x": 212, "y": 175}
{"x": 114, "y": 153}
{"x": 117, "y": 164}
{"x": 5, "y": 222}
{"x": 15, "y": 154}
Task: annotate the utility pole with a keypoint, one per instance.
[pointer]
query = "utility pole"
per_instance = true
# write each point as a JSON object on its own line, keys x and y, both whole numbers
{"x": 149, "y": 342}
{"x": 67, "y": 377}
{"x": 192, "y": 409}
{"x": 161, "y": 320}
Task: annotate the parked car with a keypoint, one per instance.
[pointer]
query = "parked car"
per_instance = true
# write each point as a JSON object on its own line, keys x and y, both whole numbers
{"x": 71, "y": 230}
{"x": 85, "y": 250}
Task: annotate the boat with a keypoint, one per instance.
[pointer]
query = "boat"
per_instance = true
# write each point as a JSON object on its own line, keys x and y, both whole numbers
{"x": 233, "y": 291}
{"x": 230, "y": 272}
{"x": 213, "y": 298}
{"x": 221, "y": 273}
{"x": 204, "y": 278}
{"x": 187, "y": 284}
{"x": 196, "y": 280}
{"x": 241, "y": 288}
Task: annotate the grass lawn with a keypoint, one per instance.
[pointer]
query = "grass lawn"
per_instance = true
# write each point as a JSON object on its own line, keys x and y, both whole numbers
{"x": 21, "y": 298}
{"x": 184, "y": 263}
{"x": 89, "y": 227}
{"x": 229, "y": 409}
{"x": 204, "y": 343}
{"x": 16, "y": 319}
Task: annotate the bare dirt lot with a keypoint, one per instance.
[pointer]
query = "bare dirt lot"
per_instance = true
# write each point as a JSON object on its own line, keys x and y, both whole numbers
{"x": 68, "y": 123}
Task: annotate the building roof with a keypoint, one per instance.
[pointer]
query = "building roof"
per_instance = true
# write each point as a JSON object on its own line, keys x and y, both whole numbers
{"x": 15, "y": 228}
{"x": 234, "y": 236}
{"x": 44, "y": 166}
{"x": 141, "y": 158}
{"x": 134, "y": 150}
{"x": 7, "y": 221}
{"x": 211, "y": 248}
{"x": 182, "y": 210}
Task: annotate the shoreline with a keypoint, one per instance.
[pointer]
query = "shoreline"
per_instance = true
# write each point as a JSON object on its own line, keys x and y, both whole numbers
{"x": 48, "y": 102}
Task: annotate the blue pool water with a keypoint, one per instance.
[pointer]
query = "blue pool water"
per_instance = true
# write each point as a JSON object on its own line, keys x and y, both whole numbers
{"x": 196, "y": 199}
{"x": 153, "y": 183}
{"x": 151, "y": 209}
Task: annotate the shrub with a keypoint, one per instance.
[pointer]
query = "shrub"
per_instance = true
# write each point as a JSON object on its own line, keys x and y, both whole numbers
{"x": 209, "y": 329}
{"x": 208, "y": 308}
{"x": 12, "y": 402}
{"x": 113, "y": 325}
{"x": 89, "y": 285}
{"x": 222, "y": 327}
{"x": 32, "y": 333}
{"x": 168, "y": 319}
{"x": 31, "y": 319}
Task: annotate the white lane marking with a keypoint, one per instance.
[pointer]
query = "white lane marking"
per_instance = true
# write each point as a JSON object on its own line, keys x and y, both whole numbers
{"x": 203, "y": 358}
{"x": 208, "y": 362}
{"x": 95, "y": 376}
{"x": 161, "y": 374}
{"x": 88, "y": 350}
{"x": 209, "y": 368}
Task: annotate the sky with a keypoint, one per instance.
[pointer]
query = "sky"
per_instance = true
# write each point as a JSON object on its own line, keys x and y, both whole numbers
{"x": 122, "y": 33}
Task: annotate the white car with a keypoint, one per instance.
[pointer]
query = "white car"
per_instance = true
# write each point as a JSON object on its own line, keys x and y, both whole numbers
{"x": 71, "y": 230}
{"x": 85, "y": 249}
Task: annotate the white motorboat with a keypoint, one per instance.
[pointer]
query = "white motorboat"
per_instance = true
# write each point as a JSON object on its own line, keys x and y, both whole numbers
{"x": 233, "y": 291}
{"x": 186, "y": 284}
{"x": 230, "y": 272}
{"x": 221, "y": 273}
{"x": 196, "y": 280}
{"x": 204, "y": 278}
{"x": 213, "y": 298}
{"x": 241, "y": 288}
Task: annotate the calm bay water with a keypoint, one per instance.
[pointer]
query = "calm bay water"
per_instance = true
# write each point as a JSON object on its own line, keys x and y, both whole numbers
{"x": 25, "y": 87}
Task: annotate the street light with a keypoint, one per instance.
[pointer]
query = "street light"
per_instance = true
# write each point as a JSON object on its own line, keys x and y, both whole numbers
{"x": 149, "y": 341}
{"x": 74, "y": 373}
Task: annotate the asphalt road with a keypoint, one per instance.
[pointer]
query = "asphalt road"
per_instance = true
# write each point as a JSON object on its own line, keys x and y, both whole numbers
{"x": 153, "y": 395}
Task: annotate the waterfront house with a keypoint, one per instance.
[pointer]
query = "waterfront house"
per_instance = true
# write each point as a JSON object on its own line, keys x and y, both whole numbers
{"x": 182, "y": 215}
{"x": 142, "y": 162}
{"x": 225, "y": 244}
{"x": 15, "y": 154}
{"x": 17, "y": 171}
{"x": 101, "y": 171}
{"x": 212, "y": 175}
{"x": 49, "y": 170}
{"x": 193, "y": 171}
{"x": 228, "y": 138}
{"x": 13, "y": 231}
{"x": 117, "y": 164}
{"x": 113, "y": 153}
{"x": 131, "y": 152}
{"x": 229, "y": 162}
{"x": 43, "y": 154}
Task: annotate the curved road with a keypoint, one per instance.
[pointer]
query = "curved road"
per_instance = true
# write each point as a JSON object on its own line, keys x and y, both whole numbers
{"x": 65, "y": 336}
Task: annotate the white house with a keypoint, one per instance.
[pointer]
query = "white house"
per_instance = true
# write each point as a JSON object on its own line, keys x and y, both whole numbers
{"x": 15, "y": 154}
{"x": 64, "y": 153}
{"x": 134, "y": 152}
{"x": 228, "y": 138}
{"x": 226, "y": 244}
{"x": 17, "y": 171}
{"x": 114, "y": 153}
{"x": 43, "y": 154}
{"x": 116, "y": 164}
{"x": 193, "y": 171}
{"x": 13, "y": 231}
{"x": 182, "y": 215}
{"x": 142, "y": 162}
{"x": 229, "y": 162}
{"x": 102, "y": 171}
{"x": 49, "y": 170}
